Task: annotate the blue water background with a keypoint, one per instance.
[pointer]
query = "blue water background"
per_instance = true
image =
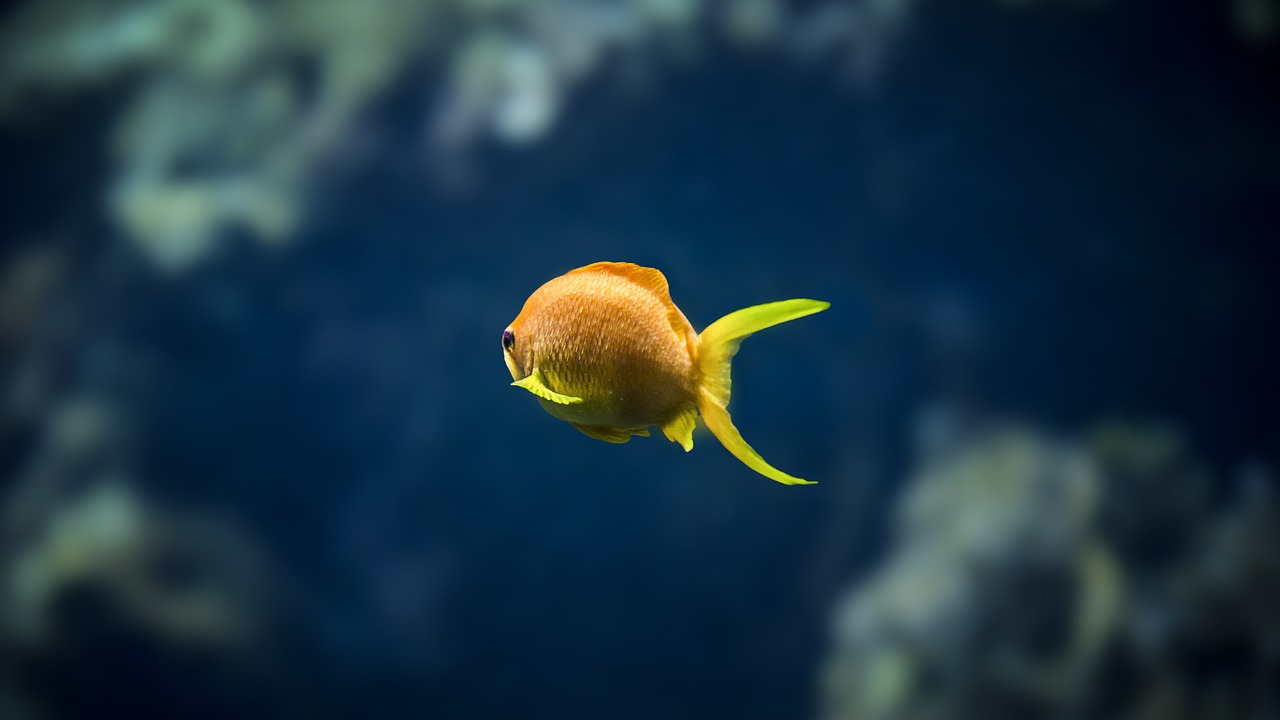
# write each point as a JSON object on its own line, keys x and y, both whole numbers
{"x": 1060, "y": 215}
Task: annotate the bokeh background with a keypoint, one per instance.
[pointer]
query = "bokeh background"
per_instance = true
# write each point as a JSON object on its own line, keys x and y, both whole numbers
{"x": 258, "y": 452}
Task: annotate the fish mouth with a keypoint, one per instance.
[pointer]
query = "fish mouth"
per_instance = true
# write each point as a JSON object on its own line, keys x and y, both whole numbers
{"x": 517, "y": 373}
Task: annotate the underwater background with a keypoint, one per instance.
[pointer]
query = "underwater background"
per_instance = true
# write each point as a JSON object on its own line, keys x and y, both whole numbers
{"x": 259, "y": 456}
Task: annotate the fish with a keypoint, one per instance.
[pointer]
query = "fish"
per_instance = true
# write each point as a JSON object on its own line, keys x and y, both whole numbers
{"x": 604, "y": 348}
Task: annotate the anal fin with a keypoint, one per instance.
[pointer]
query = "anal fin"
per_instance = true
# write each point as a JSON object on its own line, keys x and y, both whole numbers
{"x": 610, "y": 435}
{"x": 679, "y": 427}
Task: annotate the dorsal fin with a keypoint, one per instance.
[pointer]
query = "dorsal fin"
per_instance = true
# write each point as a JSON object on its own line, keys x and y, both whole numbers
{"x": 653, "y": 280}
{"x": 645, "y": 277}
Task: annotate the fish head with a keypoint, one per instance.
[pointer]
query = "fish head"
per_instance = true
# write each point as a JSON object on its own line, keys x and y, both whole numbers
{"x": 517, "y": 353}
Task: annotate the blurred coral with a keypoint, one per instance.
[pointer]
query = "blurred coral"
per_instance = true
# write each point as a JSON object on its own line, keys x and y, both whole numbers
{"x": 1023, "y": 584}
{"x": 233, "y": 108}
{"x": 194, "y": 580}
{"x": 1256, "y": 20}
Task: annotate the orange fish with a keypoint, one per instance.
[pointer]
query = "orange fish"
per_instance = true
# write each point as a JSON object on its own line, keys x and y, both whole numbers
{"x": 605, "y": 349}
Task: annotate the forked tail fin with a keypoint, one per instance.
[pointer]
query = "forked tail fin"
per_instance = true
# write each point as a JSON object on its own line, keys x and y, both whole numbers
{"x": 717, "y": 346}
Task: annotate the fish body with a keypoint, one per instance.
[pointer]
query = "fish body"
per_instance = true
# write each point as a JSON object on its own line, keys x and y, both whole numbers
{"x": 604, "y": 348}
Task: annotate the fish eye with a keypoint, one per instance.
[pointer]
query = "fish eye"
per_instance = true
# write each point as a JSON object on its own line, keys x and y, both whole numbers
{"x": 508, "y": 340}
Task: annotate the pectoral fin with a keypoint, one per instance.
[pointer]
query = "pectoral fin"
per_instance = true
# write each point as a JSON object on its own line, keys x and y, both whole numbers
{"x": 533, "y": 383}
{"x": 679, "y": 428}
{"x": 610, "y": 435}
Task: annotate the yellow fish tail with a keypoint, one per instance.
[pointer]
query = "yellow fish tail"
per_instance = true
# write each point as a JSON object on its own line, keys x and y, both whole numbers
{"x": 716, "y": 347}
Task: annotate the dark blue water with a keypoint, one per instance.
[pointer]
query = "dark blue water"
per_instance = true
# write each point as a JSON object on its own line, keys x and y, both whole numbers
{"x": 1065, "y": 213}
